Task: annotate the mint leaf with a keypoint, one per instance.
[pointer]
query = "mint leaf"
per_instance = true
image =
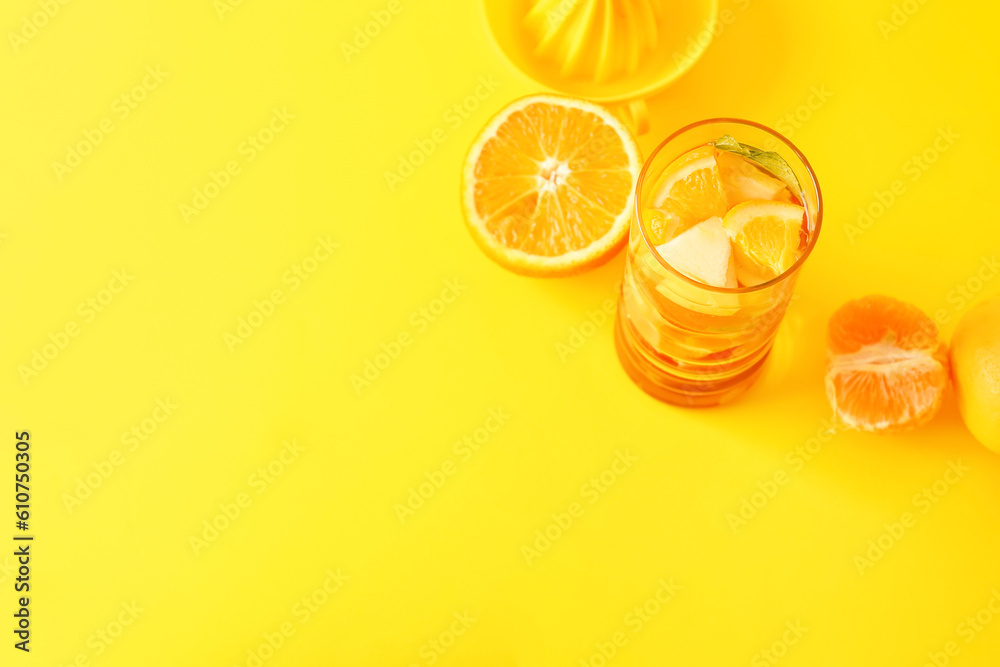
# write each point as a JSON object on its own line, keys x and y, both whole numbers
{"x": 727, "y": 143}
{"x": 769, "y": 160}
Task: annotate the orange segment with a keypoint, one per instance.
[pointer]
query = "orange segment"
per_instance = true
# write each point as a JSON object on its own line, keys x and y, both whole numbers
{"x": 662, "y": 225}
{"x": 690, "y": 188}
{"x": 548, "y": 186}
{"x": 767, "y": 238}
{"x": 888, "y": 370}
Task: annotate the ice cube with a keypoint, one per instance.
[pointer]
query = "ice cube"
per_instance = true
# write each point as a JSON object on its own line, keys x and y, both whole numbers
{"x": 743, "y": 181}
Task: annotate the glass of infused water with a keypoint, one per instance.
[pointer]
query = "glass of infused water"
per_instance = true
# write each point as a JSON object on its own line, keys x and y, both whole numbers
{"x": 726, "y": 213}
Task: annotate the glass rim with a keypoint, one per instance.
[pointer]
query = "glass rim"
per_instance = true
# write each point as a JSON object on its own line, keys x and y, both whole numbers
{"x": 814, "y": 228}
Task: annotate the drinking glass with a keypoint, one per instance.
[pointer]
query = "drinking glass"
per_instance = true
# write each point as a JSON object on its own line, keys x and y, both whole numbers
{"x": 680, "y": 340}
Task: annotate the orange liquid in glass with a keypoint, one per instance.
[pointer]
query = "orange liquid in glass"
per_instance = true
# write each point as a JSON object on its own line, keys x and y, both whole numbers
{"x": 693, "y": 344}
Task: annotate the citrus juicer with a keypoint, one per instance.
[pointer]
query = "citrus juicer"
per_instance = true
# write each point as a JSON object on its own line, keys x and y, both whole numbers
{"x": 614, "y": 52}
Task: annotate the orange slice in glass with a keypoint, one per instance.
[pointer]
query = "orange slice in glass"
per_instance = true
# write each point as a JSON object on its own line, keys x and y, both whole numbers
{"x": 768, "y": 238}
{"x": 548, "y": 186}
{"x": 691, "y": 189}
{"x": 663, "y": 225}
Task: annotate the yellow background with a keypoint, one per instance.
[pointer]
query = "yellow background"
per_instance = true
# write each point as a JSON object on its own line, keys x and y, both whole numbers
{"x": 334, "y": 506}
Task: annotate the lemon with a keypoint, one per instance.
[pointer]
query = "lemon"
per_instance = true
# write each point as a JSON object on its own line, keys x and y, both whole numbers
{"x": 975, "y": 363}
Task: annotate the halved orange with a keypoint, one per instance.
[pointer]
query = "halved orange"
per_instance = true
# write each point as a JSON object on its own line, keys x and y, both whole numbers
{"x": 888, "y": 369}
{"x": 690, "y": 188}
{"x": 548, "y": 186}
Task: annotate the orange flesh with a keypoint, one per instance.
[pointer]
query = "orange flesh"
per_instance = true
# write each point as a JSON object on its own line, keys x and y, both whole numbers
{"x": 682, "y": 200}
{"x": 551, "y": 180}
{"x": 888, "y": 370}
